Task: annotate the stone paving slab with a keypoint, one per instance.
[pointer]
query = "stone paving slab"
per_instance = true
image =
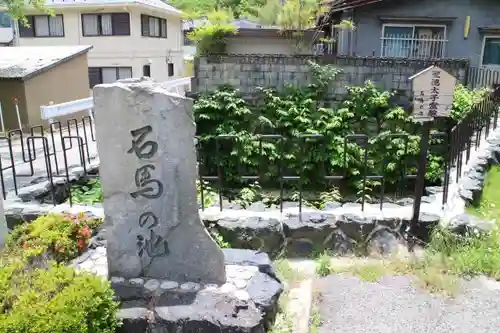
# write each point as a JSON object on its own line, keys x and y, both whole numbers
{"x": 395, "y": 305}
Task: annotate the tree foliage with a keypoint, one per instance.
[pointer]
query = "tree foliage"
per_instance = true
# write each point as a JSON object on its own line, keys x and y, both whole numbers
{"x": 17, "y": 8}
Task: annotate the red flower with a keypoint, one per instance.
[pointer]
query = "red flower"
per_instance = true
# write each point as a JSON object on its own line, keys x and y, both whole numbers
{"x": 81, "y": 244}
{"x": 25, "y": 245}
{"x": 85, "y": 232}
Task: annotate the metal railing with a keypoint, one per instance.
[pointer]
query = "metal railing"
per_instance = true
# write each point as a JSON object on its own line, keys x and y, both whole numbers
{"x": 42, "y": 154}
{"x": 57, "y": 110}
{"x": 467, "y": 133}
{"x": 412, "y": 48}
{"x": 479, "y": 77}
{"x": 27, "y": 158}
{"x": 48, "y": 112}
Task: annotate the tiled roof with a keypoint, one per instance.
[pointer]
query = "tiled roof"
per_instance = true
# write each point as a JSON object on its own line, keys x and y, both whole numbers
{"x": 27, "y": 61}
{"x": 239, "y": 24}
{"x": 157, "y": 4}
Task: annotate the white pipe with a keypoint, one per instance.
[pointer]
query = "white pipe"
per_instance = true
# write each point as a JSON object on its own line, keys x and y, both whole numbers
{"x": 18, "y": 115}
{"x": 1, "y": 119}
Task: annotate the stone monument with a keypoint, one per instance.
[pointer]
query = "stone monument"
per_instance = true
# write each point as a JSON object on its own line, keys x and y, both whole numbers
{"x": 148, "y": 175}
{"x": 167, "y": 272}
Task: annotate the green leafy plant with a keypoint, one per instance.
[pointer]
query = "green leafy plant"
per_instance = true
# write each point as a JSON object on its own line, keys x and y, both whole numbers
{"x": 205, "y": 194}
{"x": 210, "y": 37}
{"x": 54, "y": 300}
{"x": 60, "y": 237}
{"x": 323, "y": 265}
{"x": 313, "y": 140}
{"x": 249, "y": 195}
{"x": 218, "y": 238}
{"x": 89, "y": 193}
{"x": 464, "y": 99}
{"x": 39, "y": 294}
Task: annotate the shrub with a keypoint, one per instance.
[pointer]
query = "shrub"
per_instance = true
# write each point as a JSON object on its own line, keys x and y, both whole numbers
{"x": 60, "y": 237}
{"x": 391, "y": 147}
{"x": 464, "y": 99}
{"x": 210, "y": 38}
{"x": 54, "y": 300}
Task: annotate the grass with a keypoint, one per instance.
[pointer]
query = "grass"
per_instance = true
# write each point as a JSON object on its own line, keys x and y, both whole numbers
{"x": 289, "y": 276}
{"x": 489, "y": 206}
{"x": 315, "y": 320}
{"x": 448, "y": 257}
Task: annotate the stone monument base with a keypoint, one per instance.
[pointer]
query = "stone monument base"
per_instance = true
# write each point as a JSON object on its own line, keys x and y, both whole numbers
{"x": 246, "y": 303}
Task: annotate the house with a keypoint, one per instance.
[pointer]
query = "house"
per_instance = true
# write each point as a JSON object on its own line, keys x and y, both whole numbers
{"x": 37, "y": 75}
{"x": 420, "y": 29}
{"x": 6, "y": 30}
{"x": 131, "y": 38}
{"x": 254, "y": 38}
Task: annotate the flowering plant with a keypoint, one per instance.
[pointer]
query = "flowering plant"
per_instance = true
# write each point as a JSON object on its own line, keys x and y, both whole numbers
{"x": 62, "y": 237}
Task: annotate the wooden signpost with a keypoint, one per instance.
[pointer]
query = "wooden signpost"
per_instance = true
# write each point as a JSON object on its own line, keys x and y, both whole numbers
{"x": 432, "y": 97}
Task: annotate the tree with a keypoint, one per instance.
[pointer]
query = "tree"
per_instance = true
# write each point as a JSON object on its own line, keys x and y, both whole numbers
{"x": 294, "y": 16}
{"x": 16, "y": 8}
{"x": 194, "y": 8}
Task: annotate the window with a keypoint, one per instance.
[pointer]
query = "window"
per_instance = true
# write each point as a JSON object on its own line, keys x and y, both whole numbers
{"x": 98, "y": 75}
{"x": 146, "y": 70}
{"x": 5, "y": 21}
{"x": 153, "y": 26}
{"x": 109, "y": 24}
{"x": 413, "y": 41}
{"x": 187, "y": 41}
{"x": 170, "y": 69}
{"x": 491, "y": 51}
{"x": 42, "y": 26}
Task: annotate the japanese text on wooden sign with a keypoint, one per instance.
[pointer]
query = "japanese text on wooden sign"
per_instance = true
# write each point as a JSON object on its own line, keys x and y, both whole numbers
{"x": 433, "y": 93}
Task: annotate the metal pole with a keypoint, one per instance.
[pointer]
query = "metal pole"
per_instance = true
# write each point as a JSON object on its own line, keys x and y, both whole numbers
{"x": 420, "y": 181}
{"x": 1, "y": 119}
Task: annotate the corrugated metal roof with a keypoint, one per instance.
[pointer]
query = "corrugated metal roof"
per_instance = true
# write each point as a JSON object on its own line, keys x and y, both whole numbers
{"x": 24, "y": 62}
{"x": 157, "y": 4}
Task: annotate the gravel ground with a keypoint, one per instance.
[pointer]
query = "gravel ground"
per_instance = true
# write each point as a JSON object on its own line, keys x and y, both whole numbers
{"x": 394, "y": 304}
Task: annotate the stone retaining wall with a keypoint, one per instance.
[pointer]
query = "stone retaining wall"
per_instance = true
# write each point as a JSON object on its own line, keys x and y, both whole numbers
{"x": 247, "y": 72}
{"x": 470, "y": 186}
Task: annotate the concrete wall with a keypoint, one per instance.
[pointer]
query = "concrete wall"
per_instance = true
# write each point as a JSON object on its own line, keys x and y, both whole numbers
{"x": 123, "y": 51}
{"x": 266, "y": 45}
{"x": 452, "y": 13}
{"x": 247, "y": 72}
{"x": 64, "y": 83}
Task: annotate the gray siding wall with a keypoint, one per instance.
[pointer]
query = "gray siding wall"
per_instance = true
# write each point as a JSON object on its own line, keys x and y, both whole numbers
{"x": 482, "y": 12}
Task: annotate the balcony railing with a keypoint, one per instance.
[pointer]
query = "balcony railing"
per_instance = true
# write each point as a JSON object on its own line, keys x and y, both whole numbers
{"x": 413, "y": 48}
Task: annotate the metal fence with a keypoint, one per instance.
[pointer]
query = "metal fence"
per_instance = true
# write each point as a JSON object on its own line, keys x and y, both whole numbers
{"x": 50, "y": 154}
{"x": 467, "y": 134}
{"x": 41, "y": 153}
{"x": 479, "y": 77}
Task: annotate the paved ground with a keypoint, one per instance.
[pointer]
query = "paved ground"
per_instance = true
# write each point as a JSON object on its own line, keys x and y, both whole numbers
{"x": 394, "y": 305}
{"x": 37, "y": 169}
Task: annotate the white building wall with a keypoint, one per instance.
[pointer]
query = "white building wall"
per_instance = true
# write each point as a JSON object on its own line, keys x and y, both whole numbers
{"x": 123, "y": 51}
